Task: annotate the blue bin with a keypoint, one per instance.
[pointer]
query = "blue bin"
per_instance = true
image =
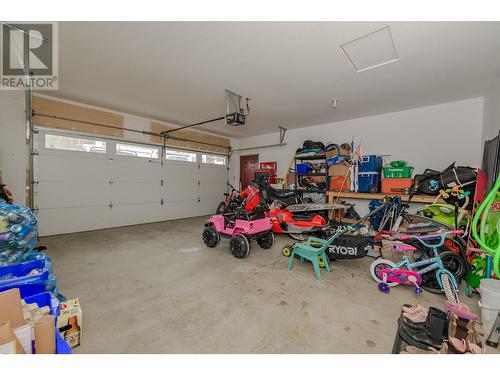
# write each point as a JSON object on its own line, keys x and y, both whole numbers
{"x": 45, "y": 299}
{"x": 303, "y": 168}
{"x": 370, "y": 163}
{"x": 368, "y": 182}
{"x": 62, "y": 347}
{"x": 28, "y": 285}
{"x": 49, "y": 299}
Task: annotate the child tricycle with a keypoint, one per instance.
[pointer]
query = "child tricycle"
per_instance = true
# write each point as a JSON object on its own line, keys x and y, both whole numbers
{"x": 240, "y": 233}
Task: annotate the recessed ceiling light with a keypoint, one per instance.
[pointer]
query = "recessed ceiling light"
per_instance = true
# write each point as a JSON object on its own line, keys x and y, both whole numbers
{"x": 371, "y": 50}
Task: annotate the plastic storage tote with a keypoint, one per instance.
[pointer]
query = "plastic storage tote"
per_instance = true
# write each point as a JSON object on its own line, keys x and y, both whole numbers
{"x": 62, "y": 346}
{"x": 398, "y": 172}
{"x": 303, "y": 168}
{"x": 398, "y": 169}
{"x": 370, "y": 163}
{"x": 16, "y": 276}
{"x": 50, "y": 300}
{"x": 396, "y": 185}
{"x": 368, "y": 182}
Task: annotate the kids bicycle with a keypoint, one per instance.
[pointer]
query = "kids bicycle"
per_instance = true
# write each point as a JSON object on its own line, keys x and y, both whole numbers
{"x": 389, "y": 274}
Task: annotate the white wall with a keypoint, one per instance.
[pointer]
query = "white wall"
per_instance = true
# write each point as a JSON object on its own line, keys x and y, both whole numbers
{"x": 491, "y": 113}
{"x": 13, "y": 150}
{"x": 427, "y": 137}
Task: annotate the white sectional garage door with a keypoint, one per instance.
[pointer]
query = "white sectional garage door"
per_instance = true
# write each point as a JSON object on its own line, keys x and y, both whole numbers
{"x": 86, "y": 183}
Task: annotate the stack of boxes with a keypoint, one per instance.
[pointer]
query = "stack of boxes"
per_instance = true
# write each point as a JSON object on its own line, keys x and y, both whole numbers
{"x": 339, "y": 178}
{"x": 369, "y": 170}
{"x": 397, "y": 178}
{"x": 338, "y": 169}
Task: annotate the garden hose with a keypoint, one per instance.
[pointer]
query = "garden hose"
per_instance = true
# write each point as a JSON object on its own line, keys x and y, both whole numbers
{"x": 484, "y": 211}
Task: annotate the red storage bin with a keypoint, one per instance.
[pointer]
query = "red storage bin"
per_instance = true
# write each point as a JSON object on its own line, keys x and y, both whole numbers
{"x": 396, "y": 185}
{"x": 336, "y": 183}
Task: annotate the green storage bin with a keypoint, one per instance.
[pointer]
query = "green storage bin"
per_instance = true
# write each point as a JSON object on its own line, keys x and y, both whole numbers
{"x": 398, "y": 169}
{"x": 398, "y": 172}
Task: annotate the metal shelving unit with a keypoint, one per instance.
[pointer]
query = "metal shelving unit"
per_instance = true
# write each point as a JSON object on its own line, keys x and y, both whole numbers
{"x": 298, "y": 176}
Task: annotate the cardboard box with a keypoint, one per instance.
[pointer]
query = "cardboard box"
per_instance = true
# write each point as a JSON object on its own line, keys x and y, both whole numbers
{"x": 336, "y": 183}
{"x": 69, "y": 322}
{"x": 11, "y": 308}
{"x": 333, "y": 153}
{"x": 339, "y": 169}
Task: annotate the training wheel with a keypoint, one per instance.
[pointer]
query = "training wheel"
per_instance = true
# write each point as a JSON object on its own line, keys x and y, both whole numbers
{"x": 287, "y": 251}
{"x": 384, "y": 288}
{"x": 418, "y": 290}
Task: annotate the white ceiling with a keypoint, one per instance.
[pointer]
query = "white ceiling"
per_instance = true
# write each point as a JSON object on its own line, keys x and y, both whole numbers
{"x": 177, "y": 71}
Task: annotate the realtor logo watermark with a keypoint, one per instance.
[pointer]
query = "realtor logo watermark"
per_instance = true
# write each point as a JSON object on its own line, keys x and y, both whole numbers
{"x": 35, "y": 43}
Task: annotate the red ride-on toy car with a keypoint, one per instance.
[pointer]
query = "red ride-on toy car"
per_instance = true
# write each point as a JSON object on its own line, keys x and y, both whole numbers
{"x": 240, "y": 233}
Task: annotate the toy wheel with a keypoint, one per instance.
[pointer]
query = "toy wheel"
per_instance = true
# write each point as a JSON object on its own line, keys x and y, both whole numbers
{"x": 454, "y": 263}
{"x": 378, "y": 265}
{"x": 267, "y": 241}
{"x": 239, "y": 246}
{"x": 211, "y": 237}
{"x": 287, "y": 250}
{"x": 320, "y": 262}
{"x": 468, "y": 291}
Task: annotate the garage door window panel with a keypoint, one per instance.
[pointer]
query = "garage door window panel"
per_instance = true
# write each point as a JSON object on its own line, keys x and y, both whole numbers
{"x": 213, "y": 159}
{"x": 185, "y": 156}
{"x": 139, "y": 151}
{"x": 78, "y": 144}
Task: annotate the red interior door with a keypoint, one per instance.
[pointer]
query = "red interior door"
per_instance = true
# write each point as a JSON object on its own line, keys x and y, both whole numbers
{"x": 248, "y": 165}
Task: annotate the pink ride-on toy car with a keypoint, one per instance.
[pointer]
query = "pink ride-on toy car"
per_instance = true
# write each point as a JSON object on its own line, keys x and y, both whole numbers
{"x": 240, "y": 233}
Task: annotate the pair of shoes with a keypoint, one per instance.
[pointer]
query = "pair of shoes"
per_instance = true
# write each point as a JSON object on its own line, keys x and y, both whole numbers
{"x": 464, "y": 336}
{"x": 469, "y": 330}
{"x": 432, "y": 332}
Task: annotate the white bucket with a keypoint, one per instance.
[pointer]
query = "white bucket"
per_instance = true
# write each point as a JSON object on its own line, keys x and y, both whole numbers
{"x": 490, "y": 303}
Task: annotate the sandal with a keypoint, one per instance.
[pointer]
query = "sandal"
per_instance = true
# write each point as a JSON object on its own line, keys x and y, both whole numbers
{"x": 476, "y": 326}
{"x": 457, "y": 346}
{"x": 460, "y": 309}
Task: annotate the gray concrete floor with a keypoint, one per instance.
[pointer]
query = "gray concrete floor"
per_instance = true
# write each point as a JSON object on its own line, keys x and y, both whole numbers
{"x": 156, "y": 288}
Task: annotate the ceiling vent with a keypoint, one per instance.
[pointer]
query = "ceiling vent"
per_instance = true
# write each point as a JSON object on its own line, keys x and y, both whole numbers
{"x": 371, "y": 50}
